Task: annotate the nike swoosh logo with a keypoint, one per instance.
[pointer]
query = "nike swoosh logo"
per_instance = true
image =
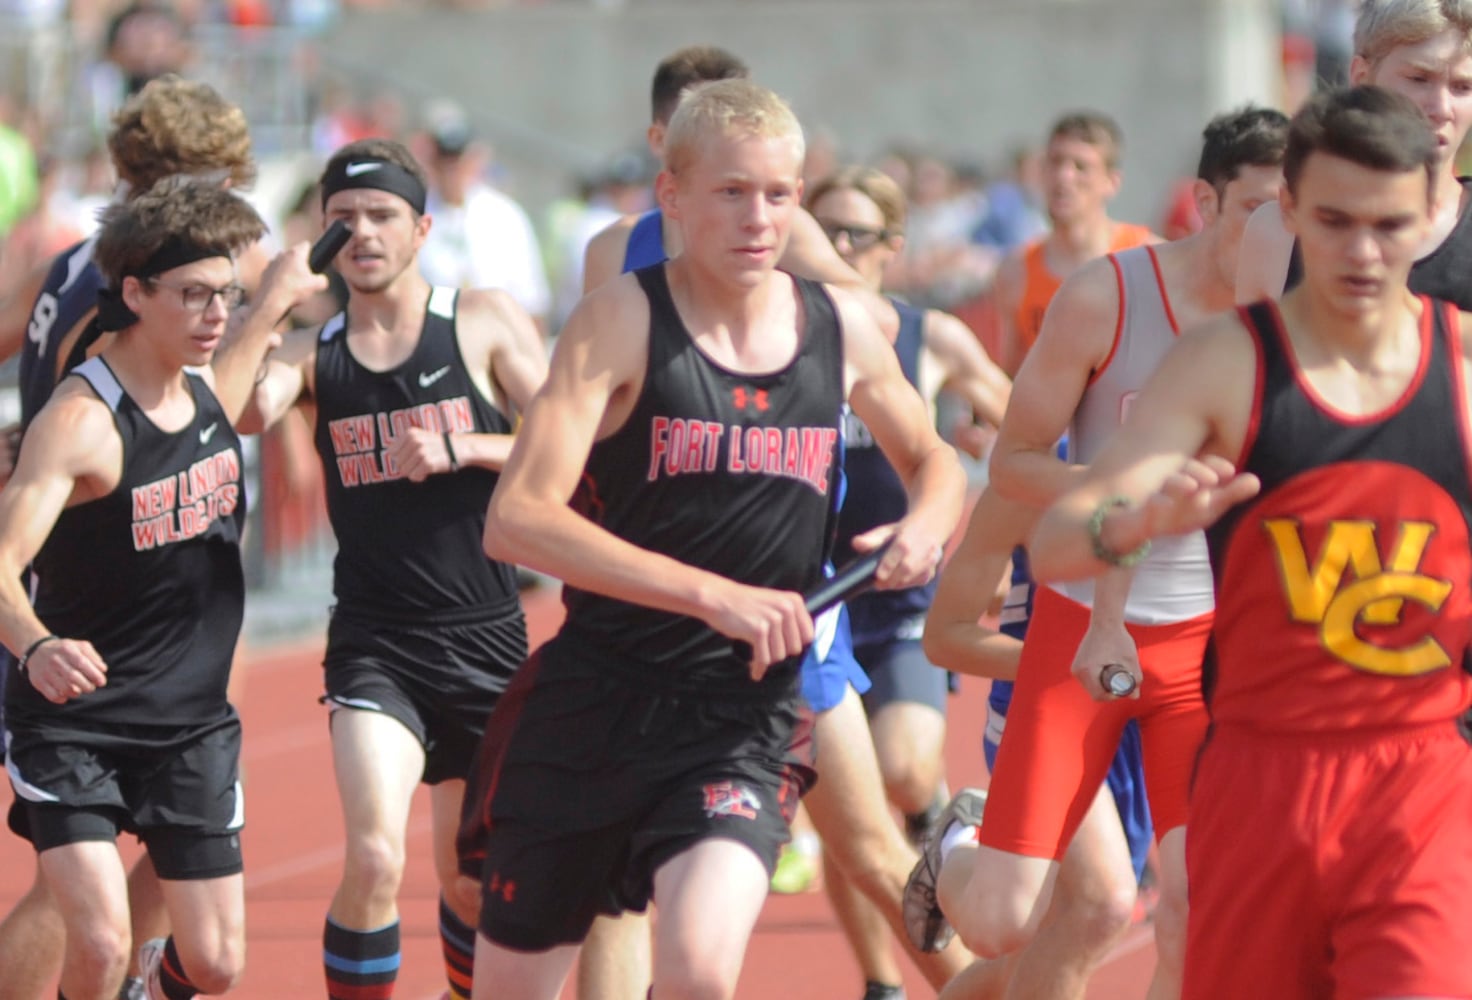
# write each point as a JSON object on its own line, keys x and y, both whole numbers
{"x": 354, "y": 169}
{"x": 206, "y": 433}
{"x": 427, "y": 379}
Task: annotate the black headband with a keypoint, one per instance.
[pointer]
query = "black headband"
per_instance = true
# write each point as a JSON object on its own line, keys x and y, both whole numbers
{"x": 371, "y": 172}
{"x": 113, "y": 313}
{"x": 176, "y": 252}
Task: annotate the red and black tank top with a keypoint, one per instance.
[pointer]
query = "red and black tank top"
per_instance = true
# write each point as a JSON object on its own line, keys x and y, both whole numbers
{"x": 1343, "y": 588}
{"x": 732, "y": 472}
{"x": 150, "y": 574}
{"x": 407, "y": 552}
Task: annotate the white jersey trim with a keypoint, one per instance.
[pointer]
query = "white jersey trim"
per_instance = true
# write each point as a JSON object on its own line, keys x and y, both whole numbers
{"x": 102, "y": 381}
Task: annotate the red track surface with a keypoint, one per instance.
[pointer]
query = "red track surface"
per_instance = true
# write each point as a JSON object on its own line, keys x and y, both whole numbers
{"x": 293, "y": 850}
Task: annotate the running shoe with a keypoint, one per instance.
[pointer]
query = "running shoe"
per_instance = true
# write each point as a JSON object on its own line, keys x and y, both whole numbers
{"x": 925, "y": 925}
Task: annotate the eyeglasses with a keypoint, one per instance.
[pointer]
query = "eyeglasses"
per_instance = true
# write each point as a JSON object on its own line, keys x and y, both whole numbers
{"x": 197, "y": 298}
{"x": 860, "y": 238}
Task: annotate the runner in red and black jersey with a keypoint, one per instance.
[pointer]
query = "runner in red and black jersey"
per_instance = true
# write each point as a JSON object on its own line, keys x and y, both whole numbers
{"x": 414, "y": 391}
{"x": 128, "y": 497}
{"x": 691, "y": 418}
{"x": 1338, "y": 662}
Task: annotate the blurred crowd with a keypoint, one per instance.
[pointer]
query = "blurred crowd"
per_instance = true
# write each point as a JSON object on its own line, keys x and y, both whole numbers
{"x": 966, "y": 211}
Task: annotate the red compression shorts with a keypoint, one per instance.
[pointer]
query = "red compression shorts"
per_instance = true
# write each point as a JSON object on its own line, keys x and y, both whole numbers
{"x": 1059, "y": 741}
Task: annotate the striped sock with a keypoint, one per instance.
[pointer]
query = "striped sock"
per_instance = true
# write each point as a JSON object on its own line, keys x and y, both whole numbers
{"x": 458, "y": 941}
{"x": 360, "y": 965}
{"x": 171, "y": 978}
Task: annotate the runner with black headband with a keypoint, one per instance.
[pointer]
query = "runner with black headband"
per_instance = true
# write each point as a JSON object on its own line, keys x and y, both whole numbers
{"x": 415, "y": 391}
{"x": 117, "y": 715}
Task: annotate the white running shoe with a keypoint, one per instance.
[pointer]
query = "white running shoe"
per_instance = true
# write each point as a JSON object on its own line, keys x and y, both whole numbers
{"x": 150, "y": 961}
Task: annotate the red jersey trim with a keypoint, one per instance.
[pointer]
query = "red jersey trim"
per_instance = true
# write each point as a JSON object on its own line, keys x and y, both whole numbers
{"x": 1453, "y": 323}
{"x": 1170, "y": 313}
{"x": 1118, "y": 321}
{"x": 1259, "y": 381}
{"x": 1353, "y": 419}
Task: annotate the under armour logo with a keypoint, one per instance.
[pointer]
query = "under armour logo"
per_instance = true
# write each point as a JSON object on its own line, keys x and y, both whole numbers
{"x": 506, "y": 889}
{"x": 354, "y": 169}
{"x": 744, "y": 398}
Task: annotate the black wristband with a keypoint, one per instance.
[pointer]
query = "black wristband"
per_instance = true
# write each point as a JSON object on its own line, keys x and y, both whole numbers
{"x": 450, "y": 450}
{"x": 31, "y": 649}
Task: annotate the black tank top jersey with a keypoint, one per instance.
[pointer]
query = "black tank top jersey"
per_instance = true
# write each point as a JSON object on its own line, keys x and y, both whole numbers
{"x": 730, "y": 472}
{"x": 1349, "y": 600}
{"x": 149, "y": 574}
{"x": 876, "y": 496}
{"x": 407, "y": 552}
{"x": 68, "y": 293}
{"x": 1444, "y": 273}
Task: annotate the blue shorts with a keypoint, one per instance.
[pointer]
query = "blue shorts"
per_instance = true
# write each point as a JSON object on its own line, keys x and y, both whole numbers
{"x": 829, "y": 666}
{"x": 1126, "y": 776}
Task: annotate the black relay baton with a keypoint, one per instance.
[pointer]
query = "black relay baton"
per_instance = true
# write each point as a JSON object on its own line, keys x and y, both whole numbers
{"x": 851, "y": 580}
{"x": 328, "y": 245}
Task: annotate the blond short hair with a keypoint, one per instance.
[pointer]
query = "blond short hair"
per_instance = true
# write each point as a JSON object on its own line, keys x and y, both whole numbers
{"x": 729, "y": 108}
{"x": 1383, "y": 25}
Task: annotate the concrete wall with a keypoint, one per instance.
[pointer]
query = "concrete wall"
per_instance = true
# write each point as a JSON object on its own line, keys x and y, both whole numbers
{"x": 558, "y": 87}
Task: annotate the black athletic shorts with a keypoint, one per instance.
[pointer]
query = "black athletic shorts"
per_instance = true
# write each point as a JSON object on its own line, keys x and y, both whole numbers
{"x": 178, "y": 792}
{"x": 440, "y": 681}
{"x": 898, "y": 671}
{"x": 589, "y": 780}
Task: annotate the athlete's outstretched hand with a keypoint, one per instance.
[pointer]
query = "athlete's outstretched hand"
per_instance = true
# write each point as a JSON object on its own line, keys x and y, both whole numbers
{"x": 419, "y": 454}
{"x": 774, "y": 624}
{"x": 912, "y": 558}
{"x": 1191, "y": 499}
{"x": 1102, "y": 646}
{"x": 288, "y": 281}
{"x": 63, "y": 669}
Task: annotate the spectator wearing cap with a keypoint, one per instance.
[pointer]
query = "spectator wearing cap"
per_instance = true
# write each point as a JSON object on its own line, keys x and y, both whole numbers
{"x": 617, "y": 188}
{"x": 479, "y": 237}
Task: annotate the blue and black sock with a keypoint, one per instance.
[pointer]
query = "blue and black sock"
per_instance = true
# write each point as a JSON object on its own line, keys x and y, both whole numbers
{"x": 360, "y": 965}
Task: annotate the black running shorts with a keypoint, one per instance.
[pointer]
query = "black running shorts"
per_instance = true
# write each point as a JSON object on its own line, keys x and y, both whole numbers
{"x": 440, "y": 681}
{"x": 180, "y": 795}
{"x": 588, "y": 780}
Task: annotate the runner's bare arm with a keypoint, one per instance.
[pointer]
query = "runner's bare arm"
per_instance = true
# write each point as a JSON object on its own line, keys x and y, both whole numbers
{"x": 490, "y": 325}
{"x": 1168, "y": 470}
{"x": 892, "y": 409}
{"x": 597, "y": 368}
{"x": 1076, "y": 338}
{"x": 603, "y": 259}
{"x": 968, "y": 371}
{"x": 284, "y": 284}
{"x": 954, "y": 636}
{"x": 283, "y": 380}
{"x": 72, "y": 450}
{"x": 810, "y": 254}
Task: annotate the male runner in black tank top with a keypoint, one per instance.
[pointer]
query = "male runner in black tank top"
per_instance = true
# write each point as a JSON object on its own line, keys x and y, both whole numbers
{"x": 677, "y": 472}
{"x": 1422, "y": 51}
{"x": 127, "y": 497}
{"x": 171, "y": 126}
{"x": 413, "y": 390}
{"x": 1338, "y": 663}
